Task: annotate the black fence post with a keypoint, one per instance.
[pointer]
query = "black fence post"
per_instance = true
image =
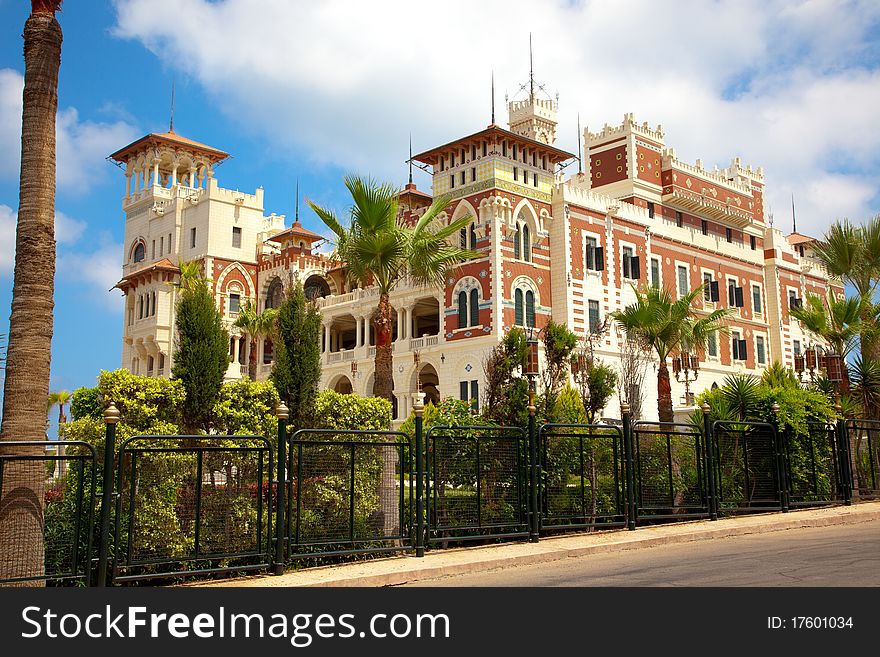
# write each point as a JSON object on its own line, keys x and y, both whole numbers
{"x": 111, "y": 417}
{"x": 782, "y": 437}
{"x": 843, "y": 456}
{"x": 419, "y": 410}
{"x": 534, "y": 526}
{"x": 710, "y": 462}
{"x": 630, "y": 466}
{"x": 282, "y": 413}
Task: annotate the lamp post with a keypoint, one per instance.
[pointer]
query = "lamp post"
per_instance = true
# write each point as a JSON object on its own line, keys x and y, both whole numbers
{"x": 532, "y": 374}
{"x": 684, "y": 366}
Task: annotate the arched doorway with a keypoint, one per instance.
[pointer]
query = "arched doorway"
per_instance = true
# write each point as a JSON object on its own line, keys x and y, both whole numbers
{"x": 343, "y": 386}
{"x": 429, "y": 383}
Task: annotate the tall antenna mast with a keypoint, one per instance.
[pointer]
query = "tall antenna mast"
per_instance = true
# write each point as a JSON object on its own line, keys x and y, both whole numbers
{"x": 580, "y": 154}
{"x": 793, "y": 218}
{"x": 296, "y": 215}
{"x": 493, "y": 97}
{"x": 410, "y": 158}
{"x": 171, "y": 122}
{"x": 531, "y": 73}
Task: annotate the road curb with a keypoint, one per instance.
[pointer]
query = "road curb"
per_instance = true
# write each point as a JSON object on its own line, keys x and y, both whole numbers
{"x": 409, "y": 569}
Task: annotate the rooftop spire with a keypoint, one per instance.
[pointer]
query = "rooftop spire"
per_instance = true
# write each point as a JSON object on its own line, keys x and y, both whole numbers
{"x": 296, "y": 211}
{"x": 531, "y": 72}
{"x": 171, "y": 121}
{"x": 793, "y": 217}
{"x": 580, "y": 155}
{"x": 493, "y": 97}
{"x": 410, "y": 158}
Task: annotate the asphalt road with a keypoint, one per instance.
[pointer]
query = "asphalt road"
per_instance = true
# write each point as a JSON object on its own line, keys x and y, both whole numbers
{"x": 844, "y": 555}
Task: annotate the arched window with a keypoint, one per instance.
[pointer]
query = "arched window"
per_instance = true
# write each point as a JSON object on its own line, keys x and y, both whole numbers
{"x": 475, "y": 307}
{"x": 467, "y": 238}
{"x": 140, "y": 252}
{"x": 517, "y": 242}
{"x": 519, "y": 315}
{"x": 275, "y": 294}
{"x": 316, "y": 287}
{"x": 462, "y": 309}
{"x": 526, "y": 244}
{"x": 153, "y": 303}
{"x": 530, "y": 309}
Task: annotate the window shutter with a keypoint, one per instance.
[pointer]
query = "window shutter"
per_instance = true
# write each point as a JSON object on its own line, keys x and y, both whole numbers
{"x": 716, "y": 293}
{"x": 530, "y": 308}
{"x": 735, "y": 347}
{"x": 738, "y": 297}
{"x": 518, "y": 308}
{"x": 475, "y": 308}
{"x": 743, "y": 350}
{"x": 599, "y": 258}
{"x": 635, "y": 267}
{"x": 462, "y": 309}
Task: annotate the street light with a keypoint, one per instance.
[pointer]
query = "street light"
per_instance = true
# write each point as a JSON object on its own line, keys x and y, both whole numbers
{"x": 683, "y": 366}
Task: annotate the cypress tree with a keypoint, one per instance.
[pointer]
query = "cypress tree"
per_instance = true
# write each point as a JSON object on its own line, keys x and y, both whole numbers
{"x": 297, "y": 367}
{"x": 201, "y": 354}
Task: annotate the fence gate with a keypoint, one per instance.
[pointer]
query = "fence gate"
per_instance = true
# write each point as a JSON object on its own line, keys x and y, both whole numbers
{"x": 192, "y": 504}
{"x": 813, "y": 468}
{"x": 748, "y": 468}
{"x": 349, "y": 492}
{"x": 671, "y": 477}
{"x": 582, "y": 476}
{"x": 55, "y": 546}
{"x": 477, "y": 484}
{"x": 864, "y": 437}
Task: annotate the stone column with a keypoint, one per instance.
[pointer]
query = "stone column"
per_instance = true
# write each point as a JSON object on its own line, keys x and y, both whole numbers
{"x": 174, "y": 176}
{"x": 156, "y": 180}
{"x": 128, "y": 184}
{"x": 192, "y": 177}
{"x": 357, "y": 332}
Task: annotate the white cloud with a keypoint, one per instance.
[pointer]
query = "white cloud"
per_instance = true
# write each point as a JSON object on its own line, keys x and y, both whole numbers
{"x": 97, "y": 270}
{"x": 67, "y": 231}
{"x": 81, "y": 146}
{"x": 779, "y": 83}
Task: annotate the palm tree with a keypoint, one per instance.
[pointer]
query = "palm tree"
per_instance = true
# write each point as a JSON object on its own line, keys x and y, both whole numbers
{"x": 61, "y": 399}
{"x": 379, "y": 248}
{"x": 30, "y": 325}
{"x": 852, "y": 252}
{"x": 256, "y": 325}
{"x": 836, "y": 321}
{"x": 666, "y": 325}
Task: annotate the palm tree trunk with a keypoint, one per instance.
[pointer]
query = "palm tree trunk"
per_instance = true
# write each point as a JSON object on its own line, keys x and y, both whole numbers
{"x": 383, "y": 383}
{"x": 252, "y": 361}
{"x": 664, "y": 394}
{"x": 30, "y": 324}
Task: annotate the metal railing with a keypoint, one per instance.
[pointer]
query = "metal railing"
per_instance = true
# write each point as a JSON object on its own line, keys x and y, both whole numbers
{"x": 864, "y": 443}
{"x": 47, "y": 505}
{"x": 348, "y": 492}
{"x": 581, "y": 476}
{"x": 748, "y": 467}
{"x": 189, "y": 505}
{"x": 476, "y": 483}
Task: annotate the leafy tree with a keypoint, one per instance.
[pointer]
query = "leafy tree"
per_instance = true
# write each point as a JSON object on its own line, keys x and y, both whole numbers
{"x": 379, "y": 248}
{"x": 297, "y": 368}
{"x": 201, "y": 355}
{"x": 779, "y": 376}
{"x": 505, "y": 400}
{"x": 666, "y": 325}
{"x": 740, "y": 393}
{"x": 559, "y": 344}
{"x": 595, "y": 380}
{"x": 246, "y": 407}
{"x": 26, "y": 385}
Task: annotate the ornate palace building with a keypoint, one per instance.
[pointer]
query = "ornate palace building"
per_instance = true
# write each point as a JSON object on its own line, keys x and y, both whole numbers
{"x": 570, "y": 249}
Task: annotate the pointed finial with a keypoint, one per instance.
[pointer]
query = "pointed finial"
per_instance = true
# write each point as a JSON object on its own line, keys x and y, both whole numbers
{"x": 531, "y": 72}
{"x": 171, "y": 121}
{"x": 493, "y": 97}
{"x": 296, "y": 211}
{"x": 580, "y": 154}
{"x": 793, "y": 217}
{"x": 410, "y": 158}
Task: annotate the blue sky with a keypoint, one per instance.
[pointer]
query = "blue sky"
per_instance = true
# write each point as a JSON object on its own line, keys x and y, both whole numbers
{"x": 316, "y": 90}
